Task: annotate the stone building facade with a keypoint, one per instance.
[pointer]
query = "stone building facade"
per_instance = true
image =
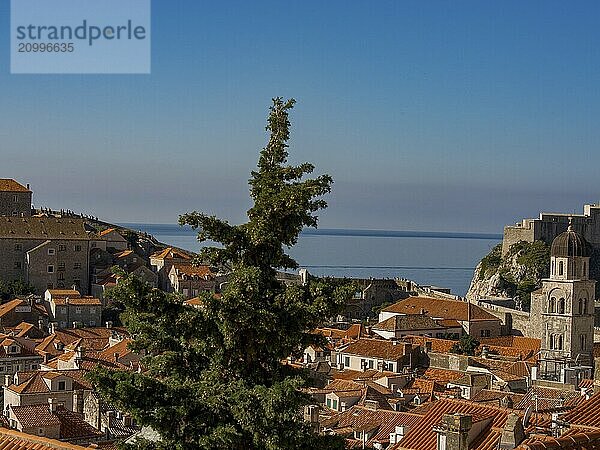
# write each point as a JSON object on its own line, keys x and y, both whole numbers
{"x": 15, "y": 199}
{"x": 69, "y": 307}
{"x": 562, "y": 310}
{"x": 549, "y": 225}
{"x": 47, "y": 252}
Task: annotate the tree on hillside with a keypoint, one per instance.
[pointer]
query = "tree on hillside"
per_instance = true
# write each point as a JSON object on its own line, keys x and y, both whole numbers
{"x": 214, "y": 377}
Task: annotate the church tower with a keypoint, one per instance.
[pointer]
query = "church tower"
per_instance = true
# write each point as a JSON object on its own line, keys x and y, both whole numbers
{"x": 562, "y": 311}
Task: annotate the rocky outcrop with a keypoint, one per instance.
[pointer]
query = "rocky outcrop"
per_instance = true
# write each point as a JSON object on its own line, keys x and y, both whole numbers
{"x": 514, "y": 275}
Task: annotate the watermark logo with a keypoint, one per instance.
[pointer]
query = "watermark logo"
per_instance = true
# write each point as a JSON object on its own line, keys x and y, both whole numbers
{"x": 80, "y": 36}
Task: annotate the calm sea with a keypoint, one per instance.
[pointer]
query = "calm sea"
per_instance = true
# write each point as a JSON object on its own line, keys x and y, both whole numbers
{"x": 441, "y": 259}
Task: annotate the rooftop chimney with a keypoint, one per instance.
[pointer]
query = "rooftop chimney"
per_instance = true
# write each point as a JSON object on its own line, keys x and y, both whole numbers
{"x": 7, "y": 380}
{"x": 116, "y": 356}
{"x": 513, "y": 433}
{"x": 52, "y": 404}
{"x": 453, "y": 433}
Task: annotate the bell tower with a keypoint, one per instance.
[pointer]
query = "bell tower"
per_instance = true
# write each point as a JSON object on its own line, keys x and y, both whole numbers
{"x": 562, "y": 311}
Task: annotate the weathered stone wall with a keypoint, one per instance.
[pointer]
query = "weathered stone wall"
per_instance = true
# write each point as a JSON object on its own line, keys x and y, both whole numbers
{"x": 15, "y": 204}
{"x": 512, "y": 319}
{"x": 548, "y": 226}
{"x": 70, "y": 263}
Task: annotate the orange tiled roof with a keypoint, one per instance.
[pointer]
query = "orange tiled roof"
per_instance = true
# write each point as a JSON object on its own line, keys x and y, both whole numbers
{"x": 442, "y": 375}
{"x": 10, "y": 185}
{"x": 190, "y": 270}
{"x": 122, "y": 348}
{"x": 437, "y": 345}
{"x": 577, "y": 440}
{"x": 411, "y": 322}
{"x": 489, "y": 395}
{"x": 441, "y": 309}
{"x": 359, "y": 418}
{"x": 60, "y": 293}
{"x": 376, "y": 348}
{"x": 10, "y": 306}
{"x": 77, "y": 301}
{"x": 519, "y": 342}
{"x": 549, "y": 399}
{"x": 586, "y": 413}
{"x": 170, "y": 253}
{"x": 107, "y": 231}
{"x": 33, "y": 382}
{"x": 15, "y": 440}
{"x": 423, "y": 437}
{"x": 35, "y": 416}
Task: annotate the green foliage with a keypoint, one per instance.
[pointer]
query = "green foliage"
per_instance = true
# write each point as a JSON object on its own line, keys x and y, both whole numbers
{"x": 466, "y": 345}
{"x": 532, "y": 264}
{"x": 9, "y": 289}
{"x": 491, "y": 262}
{"x": 214, "y": 376}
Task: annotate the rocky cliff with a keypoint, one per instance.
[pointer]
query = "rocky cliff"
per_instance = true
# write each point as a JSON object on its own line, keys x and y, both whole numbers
{"x": 514, "y": 275}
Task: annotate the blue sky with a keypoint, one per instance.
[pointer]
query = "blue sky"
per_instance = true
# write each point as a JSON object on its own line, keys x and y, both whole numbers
{"x": 439, "y": 115}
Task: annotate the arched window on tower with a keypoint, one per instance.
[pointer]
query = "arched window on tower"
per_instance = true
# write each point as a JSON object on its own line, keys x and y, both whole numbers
{"x": 552, "y": 305}
{"x": 584, "y": 270}
{"x": 552, "y": 269}
{"x": 581, "y": 306}
{"x": 560, "y": 267}
{"x": 561, "y": 306}
{"x": 560, "y": 342}
{"x": 585, "y": 306}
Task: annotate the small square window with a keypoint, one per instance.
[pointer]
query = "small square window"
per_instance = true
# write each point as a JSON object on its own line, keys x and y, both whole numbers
{"x": 78, "y": 310}
{"x": 62, "y": 248}
{"x": 51, "y": 251}
{"x": 77, "y": 266}
{"x": 78, "y": 248}
{"x": 15, "y": 199}
{"x": 18, "y": 247}
{"x": 18, "y": 265}
{"x": 50, "y": 269}
{"x": 62, "y": 385}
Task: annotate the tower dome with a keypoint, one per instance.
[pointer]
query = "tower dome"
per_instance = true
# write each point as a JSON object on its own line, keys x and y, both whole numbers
{"x": 569, "y": 244}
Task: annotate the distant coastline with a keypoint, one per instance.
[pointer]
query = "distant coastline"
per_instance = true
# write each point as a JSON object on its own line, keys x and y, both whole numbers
{"x": 173, "y": 229}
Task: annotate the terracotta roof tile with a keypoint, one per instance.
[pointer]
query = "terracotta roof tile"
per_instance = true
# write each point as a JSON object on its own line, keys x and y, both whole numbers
{"x": 411, "y": 322}
{"x": 441, "y": 375}
{"x": 170, "y": 253}
{"x": 423, "y": 437}
{"x": 15, "y": 440}
{"x": 579, "y": 439}
{"x": 548, "y": 399}
{"x": 437, "y": 345}
{"x": 10, "y": 185}
{"x": 191, "y": 271}
{"x": 77, "y": 301}
{"x": 586, "y": 413}
{"x": 440, "y": 309}
{"x": 71, "y": 293}
{"x": 360, "y": 418}
{"x": 43, "y": 228}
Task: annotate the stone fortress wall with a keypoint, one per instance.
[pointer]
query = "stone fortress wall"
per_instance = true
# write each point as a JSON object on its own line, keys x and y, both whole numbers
{"x": 549, "y": 225}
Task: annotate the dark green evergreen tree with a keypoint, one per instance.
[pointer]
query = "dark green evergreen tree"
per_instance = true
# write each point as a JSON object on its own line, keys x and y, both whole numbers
{"x": 213, "y": 377}
{"x": 466, "y": 345}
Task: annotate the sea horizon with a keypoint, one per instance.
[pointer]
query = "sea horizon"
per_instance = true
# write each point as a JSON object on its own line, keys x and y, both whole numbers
{"x": 446, "y": 259}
